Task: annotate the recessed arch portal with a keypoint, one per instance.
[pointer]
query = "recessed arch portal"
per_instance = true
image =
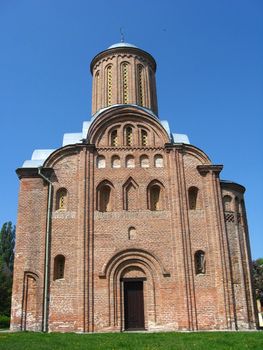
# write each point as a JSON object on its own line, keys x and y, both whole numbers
{"x": 134, "y": 264}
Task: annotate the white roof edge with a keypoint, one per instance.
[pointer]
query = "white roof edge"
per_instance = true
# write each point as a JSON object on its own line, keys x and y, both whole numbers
{"x": 33, "y": 163}
{"x": 166, "y": 126}
{"x": 71, "y": 138}
{"x": 180, "y": 138}
{"x": 85, "y": 128}
{"x": 41, "y": 154}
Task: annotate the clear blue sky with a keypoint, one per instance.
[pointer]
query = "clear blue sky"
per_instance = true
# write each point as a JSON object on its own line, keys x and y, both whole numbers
{"x": 210, "y": 72}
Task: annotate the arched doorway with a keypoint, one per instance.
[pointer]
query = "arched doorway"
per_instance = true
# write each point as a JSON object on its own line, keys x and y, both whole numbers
{"x": 133, "y": 277}
{"x": 133, "y": 304}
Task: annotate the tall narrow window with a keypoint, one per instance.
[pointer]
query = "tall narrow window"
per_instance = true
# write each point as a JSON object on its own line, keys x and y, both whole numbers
{"x": 128, "y": 136}
{"x": 109, "y": 85}
{"x": 125, "y": 89}
{"x": 61, "y": 199}
{"x": 114, "y": 138}
{"x": 104, "y": 198}
{"x": 97, "y": 89}
{"x": 155, "y": 194}
{"x": 144, "y": 138}
{"x": 59, "y": 267}
{"x": 140, "y": 85}
{"x": 192, "y": 197}
{"x": 199, "y": 262}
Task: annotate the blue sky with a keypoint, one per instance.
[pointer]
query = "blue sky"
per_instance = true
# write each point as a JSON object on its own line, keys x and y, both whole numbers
{"x": 209, "y": 78}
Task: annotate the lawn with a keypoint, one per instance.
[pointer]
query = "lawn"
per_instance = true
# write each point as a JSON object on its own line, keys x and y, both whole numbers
{"x": 132, "y": 341}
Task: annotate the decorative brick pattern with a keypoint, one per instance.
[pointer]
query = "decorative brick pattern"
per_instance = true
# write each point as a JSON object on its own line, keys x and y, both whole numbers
{"x": 146, "y": 227}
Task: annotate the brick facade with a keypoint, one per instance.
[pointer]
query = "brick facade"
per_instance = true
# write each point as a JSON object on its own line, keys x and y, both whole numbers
{"x": 136, "y": 208}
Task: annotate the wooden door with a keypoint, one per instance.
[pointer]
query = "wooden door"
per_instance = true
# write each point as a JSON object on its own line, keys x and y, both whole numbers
{"x": 133, "y": 305}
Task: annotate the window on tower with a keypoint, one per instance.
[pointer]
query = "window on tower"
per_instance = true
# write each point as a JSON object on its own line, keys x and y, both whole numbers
{"x": 140, "y": 87}
{"x": 109, "y": 85}
{"x": 125, "y": 88}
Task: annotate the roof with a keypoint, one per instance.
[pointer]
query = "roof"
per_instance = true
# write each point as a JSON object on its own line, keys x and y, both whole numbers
{"x": 122, "y": 44}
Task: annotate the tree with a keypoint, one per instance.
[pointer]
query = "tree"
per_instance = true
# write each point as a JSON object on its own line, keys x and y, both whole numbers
{"x": 7, "y": 243}
{"x": 258, "y": 278}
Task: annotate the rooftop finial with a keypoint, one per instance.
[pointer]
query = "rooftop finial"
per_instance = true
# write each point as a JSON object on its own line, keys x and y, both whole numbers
{"x": 122, "y": 35}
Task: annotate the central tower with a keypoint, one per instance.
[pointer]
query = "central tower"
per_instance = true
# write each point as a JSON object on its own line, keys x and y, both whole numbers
{"x": 123, "y": 74}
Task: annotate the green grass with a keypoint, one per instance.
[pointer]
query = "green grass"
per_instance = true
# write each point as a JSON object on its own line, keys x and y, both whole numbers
{"x": 132, "y": 341}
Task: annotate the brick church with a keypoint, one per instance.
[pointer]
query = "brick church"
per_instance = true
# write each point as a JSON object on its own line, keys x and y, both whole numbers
{"x": 128, "y": 226}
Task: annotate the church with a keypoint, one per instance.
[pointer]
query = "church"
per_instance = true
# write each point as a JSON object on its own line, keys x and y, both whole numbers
{"x": 128, "y": 226}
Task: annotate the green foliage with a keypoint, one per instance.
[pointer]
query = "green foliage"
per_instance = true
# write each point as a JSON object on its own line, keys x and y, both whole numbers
{"x": 258, "y": 278}
{"x": 4, "y": 321}
{"x": 7, "y": 243}
{"x": 133, "y": 341}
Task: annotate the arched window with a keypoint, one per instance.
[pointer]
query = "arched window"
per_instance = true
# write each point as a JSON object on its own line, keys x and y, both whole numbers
{"x": 124, "y": 73}
{"x": 158, "y": 161}
{"x": 192, "y": 197}
{"x": 144, "y": 161}
{"x": 140, "y": 85}
{"x": 104, "y": 198}
{"x": 155, "y": 196}
{"x": 62, "y": 199}
{"x": 227, "y": 202}
{"x": 101, "y": 163}
{"x": 199, "y": 262}
{"x": 144, "y": 138}
{"x": 59, "y": 267}
{"x": 109, "y": 85}
{"x": 129, "y": 162}
{"x": 97, "y": 89}
{"x": 115, "y": 162}
{"x": 128, "y": 136}
{"x": 114, "y": 138}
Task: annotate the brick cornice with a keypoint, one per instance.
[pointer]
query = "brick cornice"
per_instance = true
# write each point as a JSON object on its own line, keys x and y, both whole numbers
{"x": 208, "y": 168}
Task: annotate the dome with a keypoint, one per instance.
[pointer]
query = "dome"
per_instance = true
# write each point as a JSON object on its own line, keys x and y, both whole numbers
{"x": 121, "y": 44}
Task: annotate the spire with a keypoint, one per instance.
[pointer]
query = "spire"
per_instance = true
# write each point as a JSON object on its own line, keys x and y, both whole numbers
{"x": 122, "y": 35}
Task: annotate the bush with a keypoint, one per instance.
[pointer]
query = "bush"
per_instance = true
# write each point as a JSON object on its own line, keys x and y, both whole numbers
{"x": 4, "y": 321}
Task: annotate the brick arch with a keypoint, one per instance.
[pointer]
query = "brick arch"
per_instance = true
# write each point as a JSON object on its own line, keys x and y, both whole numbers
{"x": 128, "y": 114}
{"x": 30, "y": 318}
{"x": 162, "y": 201}
{"x": 103, "y": 184}
{"x": 136, "y": 261}
{"x": 147, "y": 257}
